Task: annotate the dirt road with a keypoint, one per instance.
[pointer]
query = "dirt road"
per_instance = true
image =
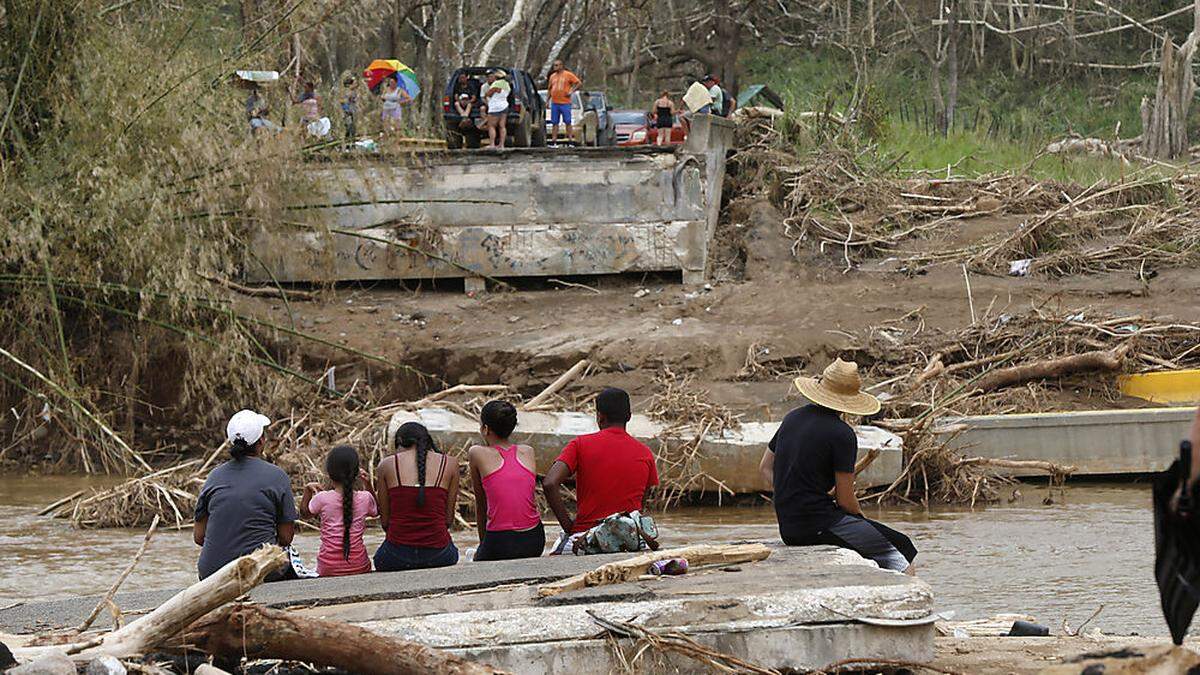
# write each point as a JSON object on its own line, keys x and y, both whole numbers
{"x": 800, "y": 311}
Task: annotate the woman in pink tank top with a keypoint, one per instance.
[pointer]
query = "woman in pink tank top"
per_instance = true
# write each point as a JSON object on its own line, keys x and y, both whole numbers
{"x": 505, "y": 479}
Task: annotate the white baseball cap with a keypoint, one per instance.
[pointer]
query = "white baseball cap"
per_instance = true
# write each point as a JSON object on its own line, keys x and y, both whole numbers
{"x": 246, "y": 425}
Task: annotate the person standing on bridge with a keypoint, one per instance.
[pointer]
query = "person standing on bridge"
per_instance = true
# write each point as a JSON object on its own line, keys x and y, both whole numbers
{"x": 613, "y": 471}
{"x": 813, "y": 453}
{"x": 496, "y": 93}
{"x": 562, "y": 84}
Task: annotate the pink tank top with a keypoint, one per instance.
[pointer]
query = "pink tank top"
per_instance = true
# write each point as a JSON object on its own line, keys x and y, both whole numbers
{"x": 510, "y": 495}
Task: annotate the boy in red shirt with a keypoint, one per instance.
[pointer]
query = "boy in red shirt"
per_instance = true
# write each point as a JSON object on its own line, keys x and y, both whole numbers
{"x": 612, "y": 469}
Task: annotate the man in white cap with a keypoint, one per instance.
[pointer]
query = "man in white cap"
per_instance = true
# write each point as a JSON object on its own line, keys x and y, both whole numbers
{"x": 245, "y": 502}
{"x": 812, "y": 454}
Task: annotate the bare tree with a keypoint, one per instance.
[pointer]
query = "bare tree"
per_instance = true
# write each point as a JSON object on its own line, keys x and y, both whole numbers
{"x": 518, "y": 13}
{"x": 1164, "y": 132}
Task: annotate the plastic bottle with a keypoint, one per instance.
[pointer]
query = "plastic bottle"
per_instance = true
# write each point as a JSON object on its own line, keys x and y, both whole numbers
{"x": 669, "y": 567}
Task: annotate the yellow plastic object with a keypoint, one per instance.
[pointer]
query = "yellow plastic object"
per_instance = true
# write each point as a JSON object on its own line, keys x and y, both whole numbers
{"x": 1168, "y": 386}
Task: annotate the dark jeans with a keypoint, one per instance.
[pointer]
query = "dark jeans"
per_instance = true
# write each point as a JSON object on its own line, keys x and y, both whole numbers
{"x": 394, "y": 557}
{"x": 512, "y": 544}
{"x": 889, "y": 549}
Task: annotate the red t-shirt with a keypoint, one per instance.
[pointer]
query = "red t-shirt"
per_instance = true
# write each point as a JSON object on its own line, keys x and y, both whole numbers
{"x": 612, "y": 471}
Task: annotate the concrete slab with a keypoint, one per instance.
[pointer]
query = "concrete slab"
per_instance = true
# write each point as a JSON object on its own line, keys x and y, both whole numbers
{"x": 1099, "y": 442}
{"x": 57, "y": 614}
{"x": 731, "y": 457}
{"x": 516, "y": 213}
{"x": 801, "y": 648}
{"x": 795, "y": 609}
{"x": 799, "y": 608}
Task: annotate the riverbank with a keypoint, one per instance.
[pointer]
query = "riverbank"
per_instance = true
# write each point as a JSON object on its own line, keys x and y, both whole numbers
{"x": 1054, "y": 562}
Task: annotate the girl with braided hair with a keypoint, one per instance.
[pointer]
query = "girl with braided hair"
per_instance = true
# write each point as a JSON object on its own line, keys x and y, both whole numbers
{"x": 342, "y": 513}
{"x": 416, "y": 489}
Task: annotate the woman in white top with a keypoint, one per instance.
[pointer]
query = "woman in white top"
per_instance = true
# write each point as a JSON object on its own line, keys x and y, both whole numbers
{"x": 496, "y": 92}
{"x": 393, "y": 97}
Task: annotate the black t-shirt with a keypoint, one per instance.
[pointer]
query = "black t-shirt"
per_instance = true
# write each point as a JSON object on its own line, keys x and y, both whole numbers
{"x": 470, "y": 88}
{"x": 811, "y": 445}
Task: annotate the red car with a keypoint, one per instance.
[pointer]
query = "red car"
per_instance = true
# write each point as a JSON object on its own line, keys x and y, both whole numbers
{"x": 633, "y": 128}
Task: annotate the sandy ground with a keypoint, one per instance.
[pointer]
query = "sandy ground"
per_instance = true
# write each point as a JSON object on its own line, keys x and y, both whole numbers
{"x": 1021, "y": 656}
{"x": 804, "y": 309}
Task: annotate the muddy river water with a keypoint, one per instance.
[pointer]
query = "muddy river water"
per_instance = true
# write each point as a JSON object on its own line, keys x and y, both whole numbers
{"x": 1094, "y": 546}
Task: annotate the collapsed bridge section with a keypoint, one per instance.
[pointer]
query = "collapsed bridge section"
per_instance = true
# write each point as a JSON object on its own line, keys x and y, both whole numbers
{"x": 514, "y": 213}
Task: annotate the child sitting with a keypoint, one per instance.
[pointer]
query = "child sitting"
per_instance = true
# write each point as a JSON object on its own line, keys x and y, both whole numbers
{"x": 342, "y": 520}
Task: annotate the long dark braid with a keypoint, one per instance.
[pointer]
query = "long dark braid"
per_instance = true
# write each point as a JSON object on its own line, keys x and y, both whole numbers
{"x": 414, "y": 434}
{"x": 342, "y": 467}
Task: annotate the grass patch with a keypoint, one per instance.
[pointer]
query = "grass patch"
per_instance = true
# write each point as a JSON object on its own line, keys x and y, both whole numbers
{"x": 973, "y": 153}
{"x": 1003, "y": 123}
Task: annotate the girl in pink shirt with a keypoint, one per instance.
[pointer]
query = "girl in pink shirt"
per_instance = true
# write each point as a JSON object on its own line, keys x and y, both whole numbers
{"x": 342, "y": 520}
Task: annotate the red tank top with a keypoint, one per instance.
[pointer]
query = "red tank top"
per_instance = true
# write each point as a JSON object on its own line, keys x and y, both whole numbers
{"x": 510, "y": 501}
{"x": 421, "y": 526}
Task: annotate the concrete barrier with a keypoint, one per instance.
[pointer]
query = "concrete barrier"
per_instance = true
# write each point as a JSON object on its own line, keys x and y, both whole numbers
{"x": 731, "y": 457}
{"x": 1098, "y": 442}
{"x": 512, "y": 213}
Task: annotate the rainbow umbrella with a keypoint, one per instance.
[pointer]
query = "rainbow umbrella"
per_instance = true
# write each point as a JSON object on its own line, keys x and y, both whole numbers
{"x": 382, "y": 69}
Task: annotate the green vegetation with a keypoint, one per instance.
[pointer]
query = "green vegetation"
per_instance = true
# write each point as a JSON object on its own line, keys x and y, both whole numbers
{"x": 1001, "y": 124}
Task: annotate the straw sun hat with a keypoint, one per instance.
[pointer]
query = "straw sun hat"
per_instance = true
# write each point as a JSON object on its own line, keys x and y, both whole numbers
{"x": 839, "y": 387}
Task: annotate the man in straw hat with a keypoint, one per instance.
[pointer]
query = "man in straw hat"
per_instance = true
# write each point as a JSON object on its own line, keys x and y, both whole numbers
{"x": 812, "y": 454}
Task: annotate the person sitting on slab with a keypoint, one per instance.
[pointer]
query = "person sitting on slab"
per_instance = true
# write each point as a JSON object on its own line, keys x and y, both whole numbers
{"x": 416, "y": 489}
{"x": 245, "y": 502}
{"x": 813, "y": 453}
{"x": 612, "y": 470}
{"x": 504, "y": 475}
{"x": 342, "y": 513}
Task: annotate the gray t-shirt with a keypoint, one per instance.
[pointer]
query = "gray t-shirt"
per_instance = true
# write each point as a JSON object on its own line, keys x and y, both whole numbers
{"x": 244, "y": 500}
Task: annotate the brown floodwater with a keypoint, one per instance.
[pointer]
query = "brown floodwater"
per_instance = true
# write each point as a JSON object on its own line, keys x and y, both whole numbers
{"x": 1093, "y": 547}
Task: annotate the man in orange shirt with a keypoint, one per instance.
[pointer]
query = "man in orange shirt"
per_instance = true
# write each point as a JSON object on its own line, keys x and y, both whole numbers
{"x": 563, "y": 83}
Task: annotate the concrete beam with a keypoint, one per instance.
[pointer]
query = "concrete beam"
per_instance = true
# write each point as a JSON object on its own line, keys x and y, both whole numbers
{"x": 731, "y": 458}
{"x": 1096, "y": 442}
{"x": 509, "y": 214}
{"x": 796, "y": 609}
{"x": 493, "y": 250}
{"x": 799, "y": 648}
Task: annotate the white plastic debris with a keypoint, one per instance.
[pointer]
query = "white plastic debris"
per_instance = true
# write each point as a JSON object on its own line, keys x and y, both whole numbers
{"x": 1020, "y": 268}
{"x": 677, "y": 322}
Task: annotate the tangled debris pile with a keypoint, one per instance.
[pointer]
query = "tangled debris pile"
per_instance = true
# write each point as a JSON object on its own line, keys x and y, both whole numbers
{"x": 689, "y": 415}
{"x": 854, "y": 205}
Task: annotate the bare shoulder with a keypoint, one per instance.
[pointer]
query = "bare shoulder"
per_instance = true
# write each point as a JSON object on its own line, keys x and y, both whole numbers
{"x": 384, "y": 467}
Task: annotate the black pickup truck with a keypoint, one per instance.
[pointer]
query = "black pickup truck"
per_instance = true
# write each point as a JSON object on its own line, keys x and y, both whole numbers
{"x": 525, "y": 110}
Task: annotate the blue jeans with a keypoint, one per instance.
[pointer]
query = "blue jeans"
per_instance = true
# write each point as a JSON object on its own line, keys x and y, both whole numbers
{"x": 560, "y": 112}
{"x": 394, "y": 558}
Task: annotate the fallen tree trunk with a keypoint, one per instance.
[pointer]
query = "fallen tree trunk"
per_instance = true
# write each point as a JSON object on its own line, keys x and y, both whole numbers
{"x": 631, "y": 568}
{"x": 1040, "y": 370}
{"x": 1019, "y": 464}
{"x": 174, "y": 615}
{"x": 262, "y": 633}
{"x": 562, "y": 381}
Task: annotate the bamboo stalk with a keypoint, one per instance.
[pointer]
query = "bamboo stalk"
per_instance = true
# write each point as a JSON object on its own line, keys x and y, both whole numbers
{"x": 128, "y": 451}
{"x": 557, "y": 385}
{"x": 112, "y": 591}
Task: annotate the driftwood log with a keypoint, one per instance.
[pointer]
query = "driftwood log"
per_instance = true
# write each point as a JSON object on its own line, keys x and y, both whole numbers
{"x": 1040, "y": 370}
{"x": 165, "y": 623}
{"x": 1019, "y": 465}
{"x": 254, "y": 631}
{"x": 632, "y": 568}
